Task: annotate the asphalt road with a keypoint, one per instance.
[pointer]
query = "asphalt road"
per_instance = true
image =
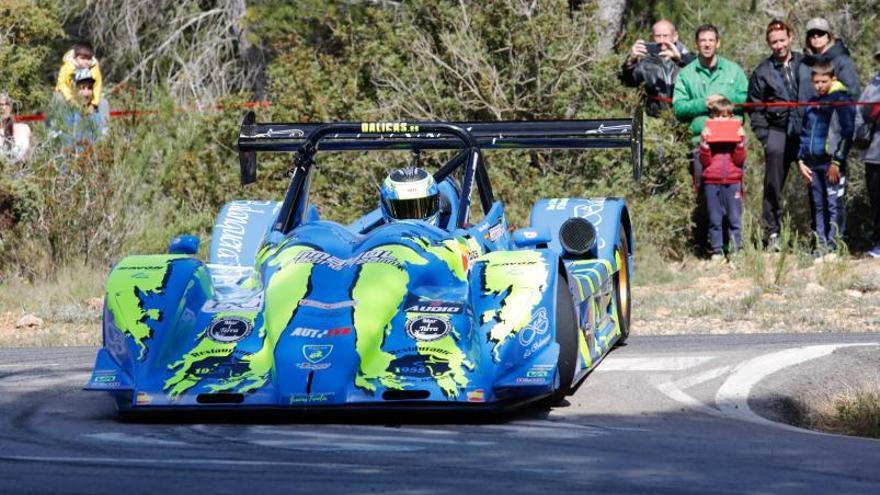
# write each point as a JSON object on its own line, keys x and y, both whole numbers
{"x": 660, "y": 415}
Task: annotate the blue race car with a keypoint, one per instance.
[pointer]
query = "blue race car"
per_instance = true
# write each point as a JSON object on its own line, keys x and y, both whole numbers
{"x": 428, "y": 311}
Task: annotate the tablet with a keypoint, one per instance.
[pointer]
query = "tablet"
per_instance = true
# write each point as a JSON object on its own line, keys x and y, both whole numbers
{"x": 723, "y": 130}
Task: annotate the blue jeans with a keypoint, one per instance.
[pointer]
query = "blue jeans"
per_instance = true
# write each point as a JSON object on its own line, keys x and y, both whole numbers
{"x": 825, "y": 199}
{"x": 724, "y": 202}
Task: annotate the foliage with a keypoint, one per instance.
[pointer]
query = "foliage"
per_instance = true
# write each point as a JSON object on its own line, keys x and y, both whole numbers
{"x": 27, "y": 31}
{"x": 161, "y": 174}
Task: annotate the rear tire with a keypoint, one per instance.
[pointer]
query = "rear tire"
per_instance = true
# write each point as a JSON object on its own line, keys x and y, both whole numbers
{"x": 622, "y": 301}
{"x": 567, "y": 338}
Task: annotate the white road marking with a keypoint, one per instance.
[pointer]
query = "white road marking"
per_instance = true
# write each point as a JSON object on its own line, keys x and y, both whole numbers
{"x": 202, "y": 461}
{"x": 658, "y": 363}
{"x": 733, "y": 396}
{"x": 337, "y": 437}
{"x": 334, "y": 446}
{"x": 28, "y": 366}
{"x": 705, "y": 376}
{"x": 675, "y": 389}
{"x": 119, "y": 437}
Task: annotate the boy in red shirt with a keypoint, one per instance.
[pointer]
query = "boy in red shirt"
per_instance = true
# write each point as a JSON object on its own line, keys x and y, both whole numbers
{"x": 722, "y": 157}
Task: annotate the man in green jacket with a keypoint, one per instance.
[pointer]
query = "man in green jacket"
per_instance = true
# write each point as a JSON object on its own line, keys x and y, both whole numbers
{"x": 700, "y": 85}
{"x": 706, "y": 80}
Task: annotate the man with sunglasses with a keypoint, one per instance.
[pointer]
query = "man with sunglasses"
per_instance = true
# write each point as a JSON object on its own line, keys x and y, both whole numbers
{"x": 775, "y": 80}
{"x": 822, "y": 47}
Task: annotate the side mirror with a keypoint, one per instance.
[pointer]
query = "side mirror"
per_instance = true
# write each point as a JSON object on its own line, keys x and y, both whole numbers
{"x": 531, "y": 236}
{"x": 184, "y": 244}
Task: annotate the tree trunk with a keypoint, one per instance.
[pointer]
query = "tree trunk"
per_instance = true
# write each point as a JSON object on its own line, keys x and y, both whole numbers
{"x": 609, "y": 14}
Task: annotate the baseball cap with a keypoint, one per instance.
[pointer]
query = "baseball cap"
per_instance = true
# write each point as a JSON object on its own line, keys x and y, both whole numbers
{"x": 818, "y": 24}
{"x": 83, "y": 75}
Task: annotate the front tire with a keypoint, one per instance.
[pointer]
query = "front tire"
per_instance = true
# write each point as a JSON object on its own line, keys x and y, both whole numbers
{"x": 567, "y": 338}
{"x": 622, "y": 301}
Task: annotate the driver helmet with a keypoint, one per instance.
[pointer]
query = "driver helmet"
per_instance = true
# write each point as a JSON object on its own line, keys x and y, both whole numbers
{"x": 410, "y": 193}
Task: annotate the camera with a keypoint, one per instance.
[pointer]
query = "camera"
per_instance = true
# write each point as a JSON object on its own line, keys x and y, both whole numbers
{"x": 653, "y": 48}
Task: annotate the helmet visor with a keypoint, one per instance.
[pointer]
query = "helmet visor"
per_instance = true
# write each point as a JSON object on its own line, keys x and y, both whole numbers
{"x": 415, "y": 208}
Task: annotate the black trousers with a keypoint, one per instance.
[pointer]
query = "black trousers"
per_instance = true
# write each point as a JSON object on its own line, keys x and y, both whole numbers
{"x": 780, "y": 151}
{"x": 699, "y": 215}
{"x": 872, "y": 183}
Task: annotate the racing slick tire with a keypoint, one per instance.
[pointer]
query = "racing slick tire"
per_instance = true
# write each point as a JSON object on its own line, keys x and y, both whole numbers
{"x": 567, "y": 338}
{"x": 622, "y": 301}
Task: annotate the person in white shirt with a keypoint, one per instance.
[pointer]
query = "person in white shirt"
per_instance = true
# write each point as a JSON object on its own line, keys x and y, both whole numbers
{"x": 15, "y": 137}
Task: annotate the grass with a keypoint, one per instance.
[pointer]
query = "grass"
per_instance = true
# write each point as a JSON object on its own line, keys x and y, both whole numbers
{"x": 69, "y": 304}
{"x": 855, "y": 411}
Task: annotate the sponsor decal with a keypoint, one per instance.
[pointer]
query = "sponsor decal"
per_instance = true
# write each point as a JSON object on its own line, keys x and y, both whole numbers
{"x": 334, "y": 263}
{"x": 310, "y": 398}
{"x": 427, "y": 328}
{"x": 419, "y": 305}
{"x": 315, "y": 354}
{"x": 388, "y": 127}
{"x": 232, "y": 228}
{"x": 106, "y": 379}
{"x": 229, "y": 329}
{"x": 534, "y": 335}
{"x": 418, "y": 367}
{"x": 495, "y": 232}
{"x": 557, "y": 204}
{"x": 476, "y": 396}
{"x": 311, "y": 303}
{"x": 531, "y": 381}
{"x": 538, "y": 374}
{"x": 143, "y": 399}
{"x": 250, "y": 303}
{"x": 529, "y": 234}
{"x": 315, "y": 333}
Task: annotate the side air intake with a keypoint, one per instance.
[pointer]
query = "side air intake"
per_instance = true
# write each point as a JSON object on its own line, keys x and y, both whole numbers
{"x": 577, "y": 236}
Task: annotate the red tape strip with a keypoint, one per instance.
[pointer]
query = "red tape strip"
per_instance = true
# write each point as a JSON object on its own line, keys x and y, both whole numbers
{"x": 41, "y": 117}
{"x": 791, "y": 104}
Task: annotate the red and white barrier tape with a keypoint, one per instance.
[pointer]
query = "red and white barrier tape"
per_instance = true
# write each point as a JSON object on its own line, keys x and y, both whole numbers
{"x": 40, "y": 117}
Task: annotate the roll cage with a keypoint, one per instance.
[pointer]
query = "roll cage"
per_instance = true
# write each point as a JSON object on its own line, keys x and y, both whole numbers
{"x": 470, "y": 138}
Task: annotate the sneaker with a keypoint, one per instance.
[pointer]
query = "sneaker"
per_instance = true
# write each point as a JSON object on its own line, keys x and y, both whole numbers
{"x": 774, "y": 243}
{"x": 717, "y": 259}
{"x": 874, "y": 252}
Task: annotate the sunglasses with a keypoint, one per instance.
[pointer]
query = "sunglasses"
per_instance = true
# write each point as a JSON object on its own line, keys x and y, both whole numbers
{"x": 6, "y": 103}
{"x": 815, "y": 34}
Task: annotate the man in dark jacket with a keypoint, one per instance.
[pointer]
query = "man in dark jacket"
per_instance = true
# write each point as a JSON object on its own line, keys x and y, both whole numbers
{"x": 778, "y": 128}
{"x": 823, "y": 47}
{"x": 869, "y": 114}
{"x": 656, "y": 65}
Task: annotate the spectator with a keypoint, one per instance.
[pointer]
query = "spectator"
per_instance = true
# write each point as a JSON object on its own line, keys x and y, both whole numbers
{"x": 15, "y": 138}
{"x": 871, "y": 155}
{"x": 820, "y": 168}
{"x": 656, "y": 69}
{"x": 81, "y": 56}
{"x": 701, "y": 84}
{"x": 722, "y": 159}
{"x": 82, "y": 122}
{"x": 778, "y": 128}
{"x": 823, "y": 47}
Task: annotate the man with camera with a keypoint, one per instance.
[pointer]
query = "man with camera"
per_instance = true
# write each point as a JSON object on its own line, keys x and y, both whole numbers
{"x": 656, "y": 65}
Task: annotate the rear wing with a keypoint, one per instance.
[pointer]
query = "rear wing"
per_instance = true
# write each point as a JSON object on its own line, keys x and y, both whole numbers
{"x": 365, "y": 136}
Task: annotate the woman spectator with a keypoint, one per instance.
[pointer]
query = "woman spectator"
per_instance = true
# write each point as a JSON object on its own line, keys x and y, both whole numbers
{"x": 823, "y": 47}
{"x": 15, "y": 138}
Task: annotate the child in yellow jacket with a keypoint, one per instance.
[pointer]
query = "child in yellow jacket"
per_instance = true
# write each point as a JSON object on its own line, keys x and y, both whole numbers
{"x": 81, "y": 56}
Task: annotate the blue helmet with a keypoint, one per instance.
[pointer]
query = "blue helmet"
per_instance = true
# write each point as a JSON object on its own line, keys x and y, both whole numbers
{"x": 410, "y": 193}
